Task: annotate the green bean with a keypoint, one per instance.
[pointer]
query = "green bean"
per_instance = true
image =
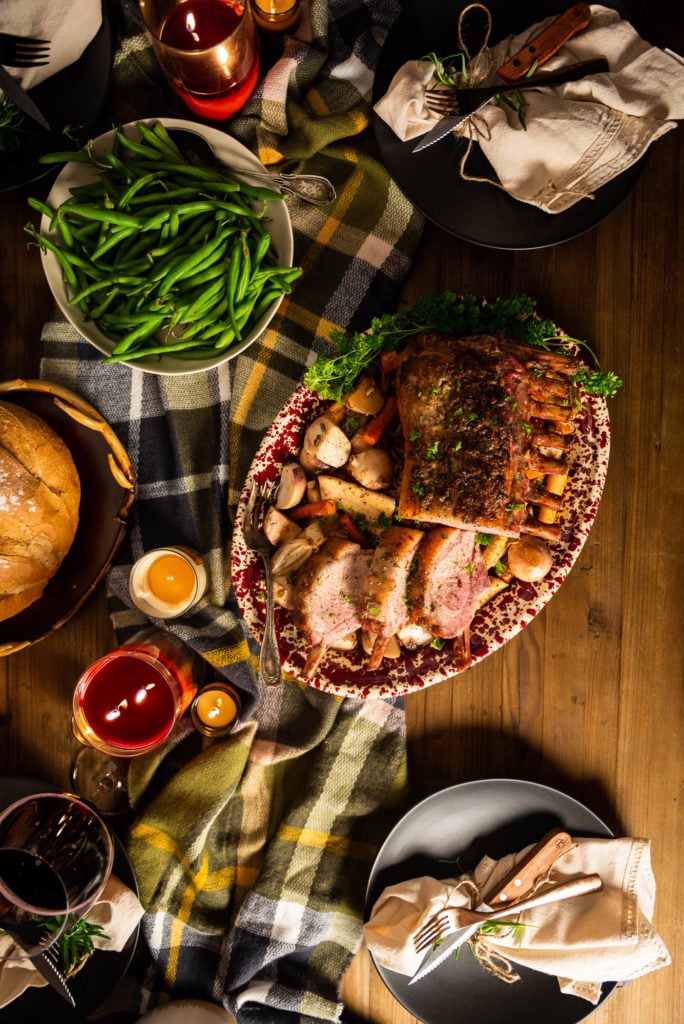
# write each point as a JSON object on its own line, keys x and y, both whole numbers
{"x": 106, "y": 216}
{"x": 114, "y": 239}
{"x": 158, "y": 138}
{"x": 143, "y": 249}
{"x": 264, "y": 304}
{"x": 97, "y": 311}
{"x": 136, "y": 185}
{"x": 79, "y": 156}
{"x": 97, "y": 285}
{"x": 152, "y": 350}
{"x": 205, "y": 276}
{"x": 140, "y": 333}
{"x": 191, "y": 262}
{"x": 233, "y": 277}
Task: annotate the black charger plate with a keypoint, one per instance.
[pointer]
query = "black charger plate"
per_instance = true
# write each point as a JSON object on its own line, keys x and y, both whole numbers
{"x": 463, "y": 823}
{"x": 73, "y": 99}
{"x": 431, "y": 179}
{"x": 101, "y": 973}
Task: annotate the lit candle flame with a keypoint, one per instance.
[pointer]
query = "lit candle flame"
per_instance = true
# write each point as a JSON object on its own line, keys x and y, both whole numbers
{"x": 191, "y": 26}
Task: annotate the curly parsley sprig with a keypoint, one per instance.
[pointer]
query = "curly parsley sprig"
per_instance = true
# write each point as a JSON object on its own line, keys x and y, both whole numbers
{"x": 333, "y": 376}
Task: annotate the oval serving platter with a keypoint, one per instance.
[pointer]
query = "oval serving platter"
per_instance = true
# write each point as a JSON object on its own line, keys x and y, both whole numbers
{"x": 345, "y": 673}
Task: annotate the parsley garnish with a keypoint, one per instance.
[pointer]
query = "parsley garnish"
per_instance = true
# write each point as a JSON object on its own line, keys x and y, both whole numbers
{"x": 333, "y": 376}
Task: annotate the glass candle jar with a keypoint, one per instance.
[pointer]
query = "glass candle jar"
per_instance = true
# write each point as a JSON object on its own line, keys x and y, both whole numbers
{"x": 277, "y": 15}
{"x": 216, "y": 709}
{"x": 208, "y": 50}
{"x": 166, "y": 582}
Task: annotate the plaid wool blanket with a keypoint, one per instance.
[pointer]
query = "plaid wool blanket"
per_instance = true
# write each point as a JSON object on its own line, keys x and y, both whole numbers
{"x": 252, "y": 853}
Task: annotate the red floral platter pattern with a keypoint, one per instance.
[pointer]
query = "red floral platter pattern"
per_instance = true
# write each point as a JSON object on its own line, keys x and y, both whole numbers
{"x": 345, "y": 673}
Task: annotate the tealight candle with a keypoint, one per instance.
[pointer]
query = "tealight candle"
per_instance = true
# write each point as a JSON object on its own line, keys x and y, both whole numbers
{"x": 166, "y": 582}
{"x": 216, "y": 709}
{"x": 276, "y": 15}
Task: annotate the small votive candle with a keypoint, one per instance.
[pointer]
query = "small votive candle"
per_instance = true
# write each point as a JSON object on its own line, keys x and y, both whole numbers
{"x": 166, "y": 582}
{"x": 276, "y": 15}
{"x": 216, "y": 709}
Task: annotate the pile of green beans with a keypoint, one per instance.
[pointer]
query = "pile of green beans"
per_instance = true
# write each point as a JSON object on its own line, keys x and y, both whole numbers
{"x": 165, "y": 257}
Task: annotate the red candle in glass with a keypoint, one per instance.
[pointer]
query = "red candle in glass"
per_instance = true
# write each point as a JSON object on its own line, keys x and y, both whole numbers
{"x": 208, "y": 49}
{"x": 127, "y": 702}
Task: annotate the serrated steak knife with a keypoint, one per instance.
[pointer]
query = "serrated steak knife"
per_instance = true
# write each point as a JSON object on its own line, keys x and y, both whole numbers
{"x": 510, "y": 890}
{"x": 51, "y": 973}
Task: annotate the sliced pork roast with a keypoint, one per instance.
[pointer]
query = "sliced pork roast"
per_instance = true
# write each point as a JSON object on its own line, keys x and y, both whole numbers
{"x": 447, "y": 581}
{"x": 383, "y": 599}
{"x": 327, "y": 595}
{"x": 468, "y": 408}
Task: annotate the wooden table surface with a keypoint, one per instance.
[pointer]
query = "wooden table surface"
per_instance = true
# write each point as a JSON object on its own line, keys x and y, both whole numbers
{"x": 588, "y": 699}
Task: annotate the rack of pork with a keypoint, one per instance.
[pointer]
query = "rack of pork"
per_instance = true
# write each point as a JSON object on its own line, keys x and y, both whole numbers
{"x": 423, "y": 495}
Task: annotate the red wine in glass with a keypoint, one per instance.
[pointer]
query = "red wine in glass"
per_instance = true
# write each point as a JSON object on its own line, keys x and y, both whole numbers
{"x": 32, "y": 899}
{"x": 56, "y": 856}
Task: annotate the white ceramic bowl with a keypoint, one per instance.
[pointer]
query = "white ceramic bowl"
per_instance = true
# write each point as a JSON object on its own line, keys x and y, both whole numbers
{"x": 237, "y": 159}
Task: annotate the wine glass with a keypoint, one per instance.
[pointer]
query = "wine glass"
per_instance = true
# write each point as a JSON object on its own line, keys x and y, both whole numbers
{"x": 126, "y": 704}
{"x": 56, "y": 856}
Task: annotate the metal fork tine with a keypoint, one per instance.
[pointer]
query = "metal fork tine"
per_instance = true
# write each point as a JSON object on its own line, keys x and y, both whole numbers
{"x": 23, "y": 40}
{"x": 445, "y": 106}
{"x": 430, "y": 932}
{"x": 23, "y": 51}
{"x": 260, "y": 497}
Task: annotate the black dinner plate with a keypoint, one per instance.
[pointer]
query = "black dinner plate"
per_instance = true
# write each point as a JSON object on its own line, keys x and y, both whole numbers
{"x": 101, "y": 973}
{"x": 431, "y": 179}
{"x": 462, "y": 824}
{"x": 73, "y": 99}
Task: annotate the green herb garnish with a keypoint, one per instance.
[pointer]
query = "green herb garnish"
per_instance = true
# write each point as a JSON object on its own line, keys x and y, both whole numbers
{"x": 76, "y": 943}
{"x": 333, "y": 376}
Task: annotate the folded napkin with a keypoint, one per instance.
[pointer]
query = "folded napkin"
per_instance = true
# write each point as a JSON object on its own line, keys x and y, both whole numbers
{"x": 68, "y": 26}
{"x": 578, "y": 136}
{"x": 118, "y": 911}
{"x": 583, "y": 941}
{"x": 252, "y": 852}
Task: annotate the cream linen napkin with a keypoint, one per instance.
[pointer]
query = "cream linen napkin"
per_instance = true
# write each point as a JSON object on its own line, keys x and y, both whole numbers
{"x": 579, "y": 135}
{"x": 583, "y": 941}
{"x": 69, "y": 25}
{"x": 118, "y": 911}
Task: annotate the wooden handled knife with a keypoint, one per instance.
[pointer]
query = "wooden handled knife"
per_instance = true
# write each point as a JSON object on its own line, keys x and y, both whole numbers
{"x": 549, "y": 41}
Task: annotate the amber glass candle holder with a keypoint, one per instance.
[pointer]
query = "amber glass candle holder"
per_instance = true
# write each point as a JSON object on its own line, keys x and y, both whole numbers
{"x": 216, "y": 709}
{"x": 277, "y": 15}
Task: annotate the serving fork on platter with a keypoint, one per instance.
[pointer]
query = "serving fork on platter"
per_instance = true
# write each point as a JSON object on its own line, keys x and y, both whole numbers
{"x": 260, "y": 498}
{"x": 23, "y": 51}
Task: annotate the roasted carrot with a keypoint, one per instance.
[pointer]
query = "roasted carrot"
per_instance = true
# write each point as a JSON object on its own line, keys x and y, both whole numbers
{"x": 313, "y": 510}
{"x": 375, "y": 428}
{"x": 352, "y": 530}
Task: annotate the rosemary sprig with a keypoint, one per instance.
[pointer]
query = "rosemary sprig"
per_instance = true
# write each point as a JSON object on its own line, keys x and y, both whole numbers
{"x": 75, "y": 944}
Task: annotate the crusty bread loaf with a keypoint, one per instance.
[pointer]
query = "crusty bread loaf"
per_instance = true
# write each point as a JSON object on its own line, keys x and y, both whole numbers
{"x": 40, "y": 493}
